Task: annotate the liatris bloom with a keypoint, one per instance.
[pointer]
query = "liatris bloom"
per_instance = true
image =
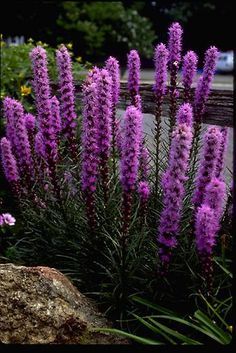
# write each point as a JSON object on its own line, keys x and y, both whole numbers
{"x": 222, "y": 151}
{"x": 30, "y": 122}
{"x": 10, "y": 126}
{"x": 185, "y": 114}
{"x": 133, "y": 74}
{"x": 90, "y": 161}
{"x": 210, "y": 152}
{"x": 138, "y": 102}
{"x": 39, "y": 145}
{"x": 215, "y": 195}
{"x": 130, "y": 159}
{"x": 161, "y": 60}
{"x": 174, "y": 47}
{"x": 144, "y": 190}
{"x": 190, "y": 60}
{"x": 175, "y": 32}
{"x": 67, "y": 97}
{"x": 9, "y": 165}
{"x": 204, "y": 83}
{"x": 56, "y": 118}
{"x": 43, "y": 103}
{"x": 90, "y": 157}
{"x": 112, "y": 66}
{"x": 104, "y": 85}
{"x": 144, "y": 162}
{"x": 206, "y": 228}
{"x": 23, "y": 145}
{"x": 173, "y": 190}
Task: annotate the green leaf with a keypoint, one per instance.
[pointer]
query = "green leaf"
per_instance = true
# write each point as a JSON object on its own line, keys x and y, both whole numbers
{"x": 138, "y": 339}
{"x": 225, "y": 337}
{"x": 152, "y": 306}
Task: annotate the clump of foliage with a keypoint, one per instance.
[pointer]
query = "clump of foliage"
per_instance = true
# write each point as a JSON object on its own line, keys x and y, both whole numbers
{"x": 118, "y": 217}
{"x": 101, "y": 25}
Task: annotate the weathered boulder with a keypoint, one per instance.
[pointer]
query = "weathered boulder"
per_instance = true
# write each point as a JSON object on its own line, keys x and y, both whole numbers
{"x": 40, "y": 305}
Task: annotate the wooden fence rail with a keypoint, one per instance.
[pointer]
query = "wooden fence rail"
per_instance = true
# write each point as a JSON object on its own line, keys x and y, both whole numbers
{"x": 219, "y": 107}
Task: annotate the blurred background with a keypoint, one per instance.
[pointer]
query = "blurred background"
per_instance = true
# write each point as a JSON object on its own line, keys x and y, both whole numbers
{"x": 99, "y": 29}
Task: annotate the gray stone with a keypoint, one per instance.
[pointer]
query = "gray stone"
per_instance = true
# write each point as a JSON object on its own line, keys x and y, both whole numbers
{"x": 40, "y": 305}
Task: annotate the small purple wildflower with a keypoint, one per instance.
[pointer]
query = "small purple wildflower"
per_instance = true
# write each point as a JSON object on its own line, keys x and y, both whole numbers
{"x": 30, "y": 122}
{"x": 56, "y": 118}
{"x": 185, "y": 114}
{"x": 7, "y": 219}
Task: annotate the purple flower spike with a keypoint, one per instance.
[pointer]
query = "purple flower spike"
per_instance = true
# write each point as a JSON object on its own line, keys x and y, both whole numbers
{"x": 161, "y": 60}
{"x": 10, "y": 126}
{"x": 67, "y": 97}
{"x": 185, "y": 114}
{"x": 204, "y": 83}
{"x": 56, "y": 118}
{"x": 144, "y": 190}
{"x": 205, "y": 229}
{"x": 138, "y": 102}
{"x": 189, "y": 71}
{"x": 8, "y": 161}
{"x": 30, "y": 122}
{"x": 144, "y": 163}
{"x": 90, "y": 161}
{"x": 175, "y": 32}
{"x": 222, "y": 152}
{"x": 112, "y": 66}
{"x": 105, "y": 111}
{"x": 173, "y": 190}
{"x": 130, "y": 148}
{"x": 39, "y": 145}
{"x": 133, "y": 74}
{"x": 215, "y": 196}
{"x": 23, "y": 145}
{"x": 209, "y": 155}
{"x": 43, "y": 102}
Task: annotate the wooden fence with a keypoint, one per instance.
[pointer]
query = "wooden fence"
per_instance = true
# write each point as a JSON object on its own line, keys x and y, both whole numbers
{"x": 219, "y": 107}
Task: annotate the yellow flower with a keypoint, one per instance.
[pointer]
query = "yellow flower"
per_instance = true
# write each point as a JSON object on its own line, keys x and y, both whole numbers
{"x": 25, "y": 91}
{"x": 79, "y": 59}
{"x": 69, "y": 45}
{"x": 230, "y": 328}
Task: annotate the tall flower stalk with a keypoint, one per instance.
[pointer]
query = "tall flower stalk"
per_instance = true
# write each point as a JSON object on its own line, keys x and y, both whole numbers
{"x": 43, "y": 103}
{"x": 222, "y": 152}
{"x": 112, "y": 66}
{"x": 10, "y": 166}
{"x": 209, "y": 155}
{"x": 129, "y": 161}
{"x": 175, "y": 32}
{"x": 104, "y": 85}
{"x": 133, "y": 75}
{"x": 203, "y": 88}
{"x": 90, "y": 156}
{"x": 173, "y": 186}
{"x": 161, "y": 61}
{"x": 190, "y": 60}
{"x": 207, "y": 224}
{"x": 67, "y": 98}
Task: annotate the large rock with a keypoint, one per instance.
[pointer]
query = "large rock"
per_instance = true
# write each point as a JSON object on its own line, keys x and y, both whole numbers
{"x": 40, "y": 305}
